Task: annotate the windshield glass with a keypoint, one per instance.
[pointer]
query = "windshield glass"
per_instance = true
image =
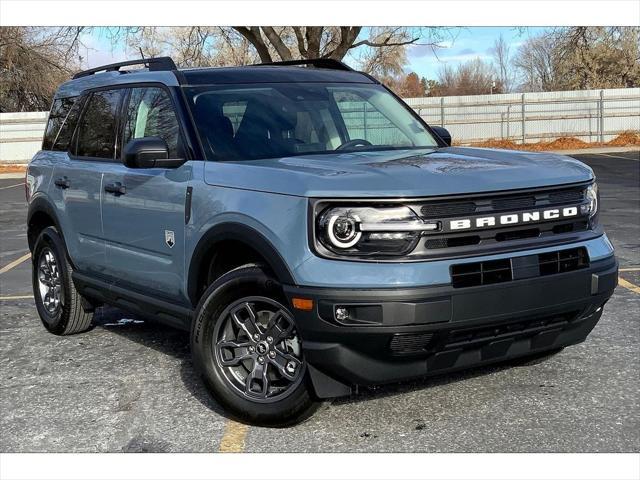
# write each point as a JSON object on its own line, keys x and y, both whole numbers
{"x": 248, "y": 122}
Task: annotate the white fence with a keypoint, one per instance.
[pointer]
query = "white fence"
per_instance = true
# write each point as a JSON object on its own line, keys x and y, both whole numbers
{"x": 591, "y": 115}
{"x": 21, "y": 135}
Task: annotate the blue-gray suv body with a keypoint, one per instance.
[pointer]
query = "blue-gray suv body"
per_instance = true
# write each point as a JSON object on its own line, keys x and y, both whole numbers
{"x": 308, "y": 228}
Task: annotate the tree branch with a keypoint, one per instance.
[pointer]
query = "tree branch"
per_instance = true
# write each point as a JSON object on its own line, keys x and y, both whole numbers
{"x": 252, "y": 34}
{"x": 278, "y": 44}
{"x": 386, "y": 43}
{"x": 301, "y": 46}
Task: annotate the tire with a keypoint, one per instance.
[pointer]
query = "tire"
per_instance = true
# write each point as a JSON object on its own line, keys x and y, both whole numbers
{"x": 63, "y": 314}
{"x": 278, "y": 392}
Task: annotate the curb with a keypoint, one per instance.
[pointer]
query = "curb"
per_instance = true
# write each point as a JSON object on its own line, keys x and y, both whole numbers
{"x": 5, "y": 176}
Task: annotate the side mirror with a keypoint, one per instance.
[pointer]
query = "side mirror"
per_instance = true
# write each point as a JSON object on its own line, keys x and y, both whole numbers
{"x": 443, "y": 133}
{"x": 149, "y": 152}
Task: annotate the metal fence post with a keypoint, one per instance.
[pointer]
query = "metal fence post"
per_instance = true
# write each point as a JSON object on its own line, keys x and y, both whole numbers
{"x": 364, "y": 112}
{"x": 442, "y": 112}
{"x": 523, "y": 120}
{"x": 601, "y": 123}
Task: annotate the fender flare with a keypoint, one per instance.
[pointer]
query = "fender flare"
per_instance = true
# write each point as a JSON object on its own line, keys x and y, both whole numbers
{"x": 41, "y": 204}
{"x": 240, "y": 232}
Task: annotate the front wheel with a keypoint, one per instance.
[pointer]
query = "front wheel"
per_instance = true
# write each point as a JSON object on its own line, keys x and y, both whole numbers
{"x": 245, "y": 345}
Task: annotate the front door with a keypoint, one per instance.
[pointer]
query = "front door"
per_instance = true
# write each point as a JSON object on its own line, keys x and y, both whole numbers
{"x": 143, "y": 210}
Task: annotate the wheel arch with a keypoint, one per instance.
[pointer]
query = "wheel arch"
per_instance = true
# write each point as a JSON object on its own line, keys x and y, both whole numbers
{"x": 242, "y": 234}
{"x": 41, "y": 214}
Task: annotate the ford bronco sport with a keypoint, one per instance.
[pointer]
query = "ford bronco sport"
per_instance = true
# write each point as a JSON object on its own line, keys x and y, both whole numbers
{"x": 308, "y": 228}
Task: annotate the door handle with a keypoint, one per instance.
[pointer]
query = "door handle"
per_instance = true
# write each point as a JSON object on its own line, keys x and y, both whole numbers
{"x": 115, "y": 188}
{"x": 62, "y": 182}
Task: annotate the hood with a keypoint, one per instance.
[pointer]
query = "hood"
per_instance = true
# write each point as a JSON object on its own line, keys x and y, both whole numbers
{"x": 400, "y": 173}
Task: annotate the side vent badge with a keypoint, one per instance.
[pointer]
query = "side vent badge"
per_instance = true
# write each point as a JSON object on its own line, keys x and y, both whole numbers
{"x": 169, "y": 238}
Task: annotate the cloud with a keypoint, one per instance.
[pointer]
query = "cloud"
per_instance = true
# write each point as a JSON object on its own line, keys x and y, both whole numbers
{"x": 97, "y": 50}
{"x": 421, "y": 51}
{"x": 466, "y": 51}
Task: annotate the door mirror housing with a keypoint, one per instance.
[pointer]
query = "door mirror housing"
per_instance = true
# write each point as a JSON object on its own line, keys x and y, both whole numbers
{"x": 443, "y": 133}
{"x": 149, "y": 152}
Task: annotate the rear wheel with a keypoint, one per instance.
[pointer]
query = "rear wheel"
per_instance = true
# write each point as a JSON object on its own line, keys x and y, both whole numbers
{"x": 246, "y": 348}
{"x": 58, "y": 302}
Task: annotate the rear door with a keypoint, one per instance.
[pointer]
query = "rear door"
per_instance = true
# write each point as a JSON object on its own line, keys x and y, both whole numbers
{"x": 144, "y": 226}
{"x": 77, "y": 178}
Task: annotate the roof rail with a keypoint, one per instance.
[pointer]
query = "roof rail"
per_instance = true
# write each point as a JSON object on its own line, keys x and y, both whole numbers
{"x": 329, "y": 63}
{"x": 158, "y": 64}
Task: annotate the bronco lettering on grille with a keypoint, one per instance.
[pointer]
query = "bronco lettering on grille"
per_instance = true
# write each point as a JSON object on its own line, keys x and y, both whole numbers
{"x": 513, "y": 218}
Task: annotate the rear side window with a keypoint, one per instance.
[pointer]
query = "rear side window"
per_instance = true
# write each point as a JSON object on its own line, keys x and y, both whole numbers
{"x": 150, "y": 114}
{"x": 97, "y": 129}
{"x": 57, "y": 117}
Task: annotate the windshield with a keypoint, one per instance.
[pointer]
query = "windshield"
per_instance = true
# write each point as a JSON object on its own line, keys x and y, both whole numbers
{"x": 249, "y": 122}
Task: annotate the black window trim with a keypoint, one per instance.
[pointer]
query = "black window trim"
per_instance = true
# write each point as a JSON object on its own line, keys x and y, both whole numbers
{"x": 77, "y": 104}
{"x": 120, "y": 121}
{"x": 188, "y": 150}
{"x": 73, "y": 144}
{"x": 55, "y": 139}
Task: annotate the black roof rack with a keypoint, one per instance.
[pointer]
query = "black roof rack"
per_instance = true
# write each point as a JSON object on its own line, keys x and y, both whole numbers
{"x": 159, "y": 64}
{"x": 314, "y": 62}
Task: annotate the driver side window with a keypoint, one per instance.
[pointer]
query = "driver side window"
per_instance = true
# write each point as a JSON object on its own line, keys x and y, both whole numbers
{"x": 150, "y": 114}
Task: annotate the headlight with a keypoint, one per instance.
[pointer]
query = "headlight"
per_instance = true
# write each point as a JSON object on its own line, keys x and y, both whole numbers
{"x": 592, "y": 197}
{"x": 368, "y": 231}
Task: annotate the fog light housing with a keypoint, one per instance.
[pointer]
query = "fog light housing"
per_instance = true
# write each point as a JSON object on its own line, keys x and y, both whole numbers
{"x": 342, "y": 314}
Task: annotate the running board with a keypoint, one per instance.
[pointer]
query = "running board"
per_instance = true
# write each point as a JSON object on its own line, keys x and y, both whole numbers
{"x": 148, "y": 307}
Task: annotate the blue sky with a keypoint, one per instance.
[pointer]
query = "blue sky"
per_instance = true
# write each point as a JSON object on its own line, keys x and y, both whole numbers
{"x": 466, "y": 43}
{"x": 469, "y": 43}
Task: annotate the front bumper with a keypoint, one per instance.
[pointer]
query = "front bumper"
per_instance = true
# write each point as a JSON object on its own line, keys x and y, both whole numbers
{"x": 398, "y": 334}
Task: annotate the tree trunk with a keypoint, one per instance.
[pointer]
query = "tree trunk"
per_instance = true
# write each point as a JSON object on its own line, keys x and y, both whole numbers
{"x": 278, "y": 44}
{"x": 253, "y": 35}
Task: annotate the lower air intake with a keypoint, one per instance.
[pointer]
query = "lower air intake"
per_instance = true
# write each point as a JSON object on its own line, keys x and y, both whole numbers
{"x": 405, "y": 344}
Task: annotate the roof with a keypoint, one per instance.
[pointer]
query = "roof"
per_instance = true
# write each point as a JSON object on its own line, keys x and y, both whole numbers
{"x": 270, "y": 74}
{"x": 213, "y": 76}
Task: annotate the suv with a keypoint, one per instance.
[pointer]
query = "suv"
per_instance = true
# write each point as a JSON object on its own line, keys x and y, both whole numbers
{"x": 308, "y": 228}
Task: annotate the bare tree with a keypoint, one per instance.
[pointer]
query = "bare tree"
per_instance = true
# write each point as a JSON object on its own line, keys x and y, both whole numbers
{"x": 377, "y": 50}
{"x": 570, "y": 58}
{"x": 538, "y": 62}
{"x": 503, "y": 63}
{"x": 474, "y": 77}
{"x": 33, "y": 62}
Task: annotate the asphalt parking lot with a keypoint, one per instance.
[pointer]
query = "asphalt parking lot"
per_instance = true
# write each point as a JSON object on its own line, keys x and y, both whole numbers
{"x": 128, "y": 385}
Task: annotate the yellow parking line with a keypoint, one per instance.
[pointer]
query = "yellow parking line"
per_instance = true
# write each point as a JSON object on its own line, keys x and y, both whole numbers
{"x": 632, "y": 269}
{"x": 628, "y": 285}
{"x": 15, "y": 263}
{"x": 16, "y": 297}
{"x": 233, "y": 438}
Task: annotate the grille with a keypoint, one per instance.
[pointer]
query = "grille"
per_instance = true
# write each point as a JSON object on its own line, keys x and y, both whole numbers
{"x": 438, "y": 210}
{"x": 528, "y": 327}
{"x": 435, "y": 243}
{"x": 498, "y": 271}
{"x": 402, "y": 344}
{"x": 513, "y": 203}
{"x": 543, "y": 198}
{"x": 481, "y": 273}
{"x": 564, "y": 196}
{"x": 563, "y": 261}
